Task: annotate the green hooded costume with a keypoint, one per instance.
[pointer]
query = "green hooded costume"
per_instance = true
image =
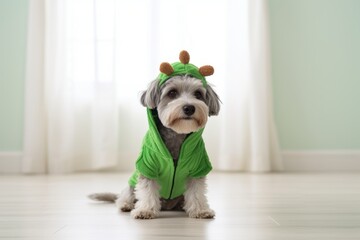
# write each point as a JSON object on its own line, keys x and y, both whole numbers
{"x": 155, "y": 161}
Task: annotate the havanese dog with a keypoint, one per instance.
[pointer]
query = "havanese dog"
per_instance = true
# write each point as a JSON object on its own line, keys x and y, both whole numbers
{"x": 172, "y": 166}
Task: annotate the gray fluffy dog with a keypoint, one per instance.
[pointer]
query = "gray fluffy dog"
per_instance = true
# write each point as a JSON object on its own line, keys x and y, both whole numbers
{"x": 172, "y": 167}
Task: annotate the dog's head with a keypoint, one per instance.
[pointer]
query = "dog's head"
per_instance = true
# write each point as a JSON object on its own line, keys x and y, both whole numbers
{"x": 183, "y": 101}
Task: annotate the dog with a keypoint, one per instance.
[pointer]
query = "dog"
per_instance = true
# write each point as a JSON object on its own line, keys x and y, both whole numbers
{"x": 172, "y": 167}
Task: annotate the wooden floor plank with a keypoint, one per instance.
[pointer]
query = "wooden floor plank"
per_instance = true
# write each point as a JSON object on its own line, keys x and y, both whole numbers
{"x": 248, "y": 206}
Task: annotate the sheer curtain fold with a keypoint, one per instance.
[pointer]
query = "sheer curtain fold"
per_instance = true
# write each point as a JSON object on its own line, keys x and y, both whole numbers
{"x": 88, "y": 60}
{"x": 71, "y": 110}
{"x": 35, "y": 150}
{"x": 248, "y": 140}
{"x": 265, "y": 152}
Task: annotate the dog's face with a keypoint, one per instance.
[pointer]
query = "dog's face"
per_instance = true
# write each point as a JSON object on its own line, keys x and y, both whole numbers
{"x": 182, "y": 102}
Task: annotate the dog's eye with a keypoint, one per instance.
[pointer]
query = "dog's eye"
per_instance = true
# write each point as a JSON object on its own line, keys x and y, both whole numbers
{"x": 198, "y": 95}
{"x": 172, "y": 94}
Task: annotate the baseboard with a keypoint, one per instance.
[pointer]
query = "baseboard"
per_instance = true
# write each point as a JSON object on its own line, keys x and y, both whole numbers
{"x": 322, "y": 161}
{"x": 10, "y": 162}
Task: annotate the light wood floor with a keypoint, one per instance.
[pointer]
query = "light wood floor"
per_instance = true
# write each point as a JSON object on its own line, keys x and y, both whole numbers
{"x": 248, "y": 206}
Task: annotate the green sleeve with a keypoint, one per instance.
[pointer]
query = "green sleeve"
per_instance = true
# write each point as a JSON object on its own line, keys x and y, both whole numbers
{"x": 146, "y": 164}
{"x": 133, "y": 179}
{"x": 202, "y": 168}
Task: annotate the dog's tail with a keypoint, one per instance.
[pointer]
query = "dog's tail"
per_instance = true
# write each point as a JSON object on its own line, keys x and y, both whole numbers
{"x": 105, "y": 197}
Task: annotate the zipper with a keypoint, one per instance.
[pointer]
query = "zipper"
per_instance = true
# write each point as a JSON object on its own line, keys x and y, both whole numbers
{"x": 176, "y": 161}
{"x": 173, "y": 180}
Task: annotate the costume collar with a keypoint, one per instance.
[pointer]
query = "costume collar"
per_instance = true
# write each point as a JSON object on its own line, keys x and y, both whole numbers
{"x": 190, "y": 144}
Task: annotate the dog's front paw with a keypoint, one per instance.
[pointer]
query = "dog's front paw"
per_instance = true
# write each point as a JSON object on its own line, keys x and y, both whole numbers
{"x": 205, "y": 214}
{"x": 143, "y": 214}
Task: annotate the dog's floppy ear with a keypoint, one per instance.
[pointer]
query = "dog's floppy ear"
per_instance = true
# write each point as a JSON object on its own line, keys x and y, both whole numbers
{"x": 151, "y": 97}
{"x": 212, "y": 100}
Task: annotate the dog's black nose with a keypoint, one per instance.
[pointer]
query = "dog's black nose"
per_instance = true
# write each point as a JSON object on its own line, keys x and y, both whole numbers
{"x": 189, "y": 110}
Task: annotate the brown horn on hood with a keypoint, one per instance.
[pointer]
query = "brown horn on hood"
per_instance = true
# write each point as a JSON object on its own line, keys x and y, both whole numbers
{"x": 184, "y": 57}
{"x": 206, "y": 70}
{"x": 166, "y": 68}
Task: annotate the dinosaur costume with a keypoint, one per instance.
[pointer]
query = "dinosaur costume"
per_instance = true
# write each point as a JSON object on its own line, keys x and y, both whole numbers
{"x": 155, "y": 161}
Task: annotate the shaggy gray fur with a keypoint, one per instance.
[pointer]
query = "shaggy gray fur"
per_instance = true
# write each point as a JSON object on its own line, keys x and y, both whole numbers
{"x": 152, "y": 96}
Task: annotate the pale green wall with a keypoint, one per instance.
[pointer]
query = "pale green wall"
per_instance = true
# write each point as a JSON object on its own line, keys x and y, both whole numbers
{"x": 316, "y": 72}
{"x": 13, "y": 17}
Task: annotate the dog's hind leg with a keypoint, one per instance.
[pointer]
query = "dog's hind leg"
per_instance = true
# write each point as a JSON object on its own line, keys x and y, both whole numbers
{"x": 196, "y": 204}
{"x": 148, "y": 203}
{"x": 126, "y": 200}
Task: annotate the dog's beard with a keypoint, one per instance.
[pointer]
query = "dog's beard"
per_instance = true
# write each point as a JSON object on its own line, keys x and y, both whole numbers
{"x": 184, "y": 126}
{"x": 172, "y": 117}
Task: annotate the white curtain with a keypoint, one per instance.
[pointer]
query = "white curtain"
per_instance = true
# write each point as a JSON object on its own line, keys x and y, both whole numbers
{"x": 71, "y": 119}
{"x": 88, "y": 61}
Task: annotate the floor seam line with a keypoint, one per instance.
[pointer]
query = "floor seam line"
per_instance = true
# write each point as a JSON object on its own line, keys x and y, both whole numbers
{"x": 272, "y": 219}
